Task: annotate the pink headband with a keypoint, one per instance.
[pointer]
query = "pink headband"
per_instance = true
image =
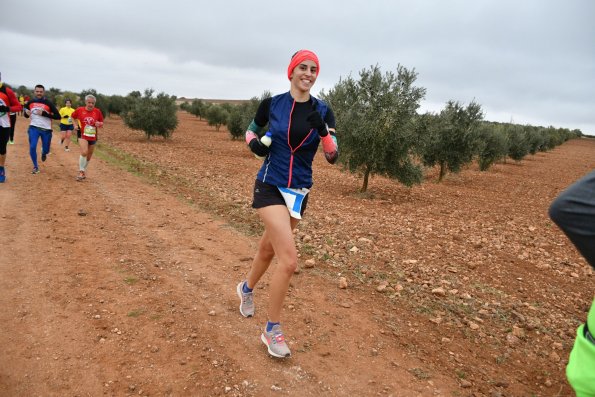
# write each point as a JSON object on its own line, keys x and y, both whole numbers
{"x": 299, "y": 57}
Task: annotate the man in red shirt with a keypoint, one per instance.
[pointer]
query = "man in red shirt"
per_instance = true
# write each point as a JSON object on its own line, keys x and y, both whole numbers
{"x": 90, "y": 119}
{"x": 8, "y": 103}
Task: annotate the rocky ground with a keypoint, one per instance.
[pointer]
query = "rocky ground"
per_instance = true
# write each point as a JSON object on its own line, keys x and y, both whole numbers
{"x": 124, "y": 284}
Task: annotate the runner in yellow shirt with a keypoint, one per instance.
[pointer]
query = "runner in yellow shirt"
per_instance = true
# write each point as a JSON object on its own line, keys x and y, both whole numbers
{"x": 66, "y": 125}
{"x": 22, "y": 101}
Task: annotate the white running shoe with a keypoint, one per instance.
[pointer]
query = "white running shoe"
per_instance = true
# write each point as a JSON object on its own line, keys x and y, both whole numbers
{"x": 246, "y": 301}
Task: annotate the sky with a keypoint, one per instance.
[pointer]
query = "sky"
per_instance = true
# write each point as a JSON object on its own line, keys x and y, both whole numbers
{"x": 524, "y": 61}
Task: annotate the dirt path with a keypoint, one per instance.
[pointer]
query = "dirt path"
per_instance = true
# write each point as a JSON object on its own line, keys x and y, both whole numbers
{"x": 113, "y": 287}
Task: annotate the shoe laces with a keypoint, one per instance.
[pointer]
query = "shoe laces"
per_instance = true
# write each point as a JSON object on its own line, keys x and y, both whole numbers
{"x": 277, "y": 335}
{"x": 247, "y": 296}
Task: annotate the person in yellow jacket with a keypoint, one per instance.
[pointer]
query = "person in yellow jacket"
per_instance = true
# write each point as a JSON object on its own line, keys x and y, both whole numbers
{"x": 22, "y": 102}
{"x": 66, "y": 125}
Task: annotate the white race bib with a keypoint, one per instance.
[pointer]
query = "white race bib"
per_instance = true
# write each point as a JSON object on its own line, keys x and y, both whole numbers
{"x": 294, "y": 198}
{"x": 90, "y": 131}
{"x": 4, "y": 119}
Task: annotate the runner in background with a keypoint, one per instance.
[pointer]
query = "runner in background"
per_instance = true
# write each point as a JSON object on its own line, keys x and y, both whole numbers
{"x": 22, "y": 101}
{"x": 90, "y": 119}
{"x": 574, "y": 212}
{"x": 41, "y": 111}
{"x": 8, "y": 103}
{"x": 298, "y": 123}
{"x": 66, "y": 125}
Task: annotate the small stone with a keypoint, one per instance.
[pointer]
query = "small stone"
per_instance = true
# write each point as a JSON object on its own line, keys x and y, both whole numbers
{"x": 309, "y": 264}
{"x": 518, "y": 332}
{"x": 439, "y": 291}
{"x": 342, "y": 283}
{"x": 82, "y": 212}
{"x": 382, "y": 286}
{"x": 465, "y": 384}
{"x": 212, "y": 313}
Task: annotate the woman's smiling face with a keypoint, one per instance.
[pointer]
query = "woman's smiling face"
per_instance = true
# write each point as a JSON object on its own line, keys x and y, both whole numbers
{"x": 304, "y": 75}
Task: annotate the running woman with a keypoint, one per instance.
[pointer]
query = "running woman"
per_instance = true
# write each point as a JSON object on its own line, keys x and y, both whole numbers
{"x": 8, "y": 104}
{"x": 90, "y": 119}
{"x": 66, "y": 125}
{"x": 41, "y": 111}
{"x": 298, "y": 123}
{"x": 574, "y": 212}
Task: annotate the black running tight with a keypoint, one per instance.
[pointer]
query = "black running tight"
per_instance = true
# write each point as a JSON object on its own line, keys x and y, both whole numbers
{"x": 4, "y": 133}
{"x": 13, "y": 121}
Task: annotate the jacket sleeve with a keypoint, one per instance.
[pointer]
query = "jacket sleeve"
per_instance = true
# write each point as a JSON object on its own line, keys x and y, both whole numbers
{"x": 15, "y": 105}
{"x": 28, "y": 107}
{"x": 55, "y": 112}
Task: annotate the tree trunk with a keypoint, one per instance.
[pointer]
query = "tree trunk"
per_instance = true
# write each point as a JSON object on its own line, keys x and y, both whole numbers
{"x": 442, "y": 171}
{"x": 366, "y": 176}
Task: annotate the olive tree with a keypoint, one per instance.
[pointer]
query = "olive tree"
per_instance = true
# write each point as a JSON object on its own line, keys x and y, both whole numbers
{"x": 450, "y": 140}
{"x": 155, "y": 115}
{"x": 492, "y": 145}
{"x": 518, "y": 140}
{"x": 241, "y": 115}
{"x": 216, "y": 116}
{"x": 198, "y": 108}
{"x": 374, "y": 117}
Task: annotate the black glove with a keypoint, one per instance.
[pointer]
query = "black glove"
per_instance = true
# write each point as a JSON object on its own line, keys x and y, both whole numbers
{"x": 45, "y": 114}
{"x": 258, "y": 148}
{"x": 4, "y": 108}
{"x": 315, "y": 120}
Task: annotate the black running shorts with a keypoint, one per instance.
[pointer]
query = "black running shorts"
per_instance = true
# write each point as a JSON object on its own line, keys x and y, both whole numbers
{"x": 265, "y": 195}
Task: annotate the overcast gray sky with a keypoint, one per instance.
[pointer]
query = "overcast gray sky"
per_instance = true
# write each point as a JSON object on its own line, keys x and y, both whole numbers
{"x": 529, "y": 61}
